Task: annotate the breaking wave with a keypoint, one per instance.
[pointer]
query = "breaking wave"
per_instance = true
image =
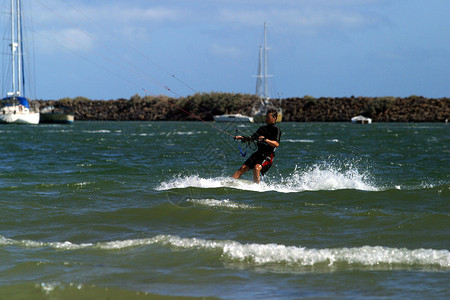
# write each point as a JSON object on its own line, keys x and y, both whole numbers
{"x": 262, "y": 254}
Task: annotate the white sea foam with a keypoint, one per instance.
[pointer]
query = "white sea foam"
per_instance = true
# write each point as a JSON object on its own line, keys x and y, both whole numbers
{"x": 261, "y": 254}
{"x": 316, "y": 178}
{"x": 182, "y": 133}
{"x": 97, "y": 131}
{"x": 186, "y": 132}
{"x": 181, "y": 182}
{"x": 49, "y": 287}
{"x": 226, "y": 203}
{"x": 143, "y": 134}
{"x": 298, "y": 141}
{"x": 81, "y": 183}
{"x": 37, "y": 244}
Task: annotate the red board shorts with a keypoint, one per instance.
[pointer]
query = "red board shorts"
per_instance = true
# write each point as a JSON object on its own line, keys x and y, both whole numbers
{"x": 265, "y": 160}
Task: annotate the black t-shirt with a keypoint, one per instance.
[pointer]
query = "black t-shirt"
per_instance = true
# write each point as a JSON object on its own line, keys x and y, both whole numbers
{"x": 270, "y": 132}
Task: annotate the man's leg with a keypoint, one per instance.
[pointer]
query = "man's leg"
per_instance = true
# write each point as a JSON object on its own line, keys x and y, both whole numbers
{"x": 240, "y": 172}
{"x": 257, "y": 173}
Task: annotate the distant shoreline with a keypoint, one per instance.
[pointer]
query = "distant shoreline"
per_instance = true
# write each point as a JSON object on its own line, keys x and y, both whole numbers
{"x": 306, "y": 109}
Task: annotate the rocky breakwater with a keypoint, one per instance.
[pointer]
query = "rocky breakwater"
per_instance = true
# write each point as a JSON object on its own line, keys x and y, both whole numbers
{"x": 381, "y": 109}
{"x": 306, "y": 109}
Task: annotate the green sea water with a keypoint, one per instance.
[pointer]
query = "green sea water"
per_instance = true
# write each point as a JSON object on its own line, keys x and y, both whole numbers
{"x": 144, "y": 210}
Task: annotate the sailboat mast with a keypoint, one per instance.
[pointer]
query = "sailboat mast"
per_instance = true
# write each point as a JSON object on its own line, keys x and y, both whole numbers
{"x": 19, "y": 49}
{"x": 259, "y": 91}
{"x": 262, "y": 89}
{"x": 13, "y": 46}
{"x": 262, "y": 85}
{"x": 265, "y": 61}
{"x": 16, "y": 49}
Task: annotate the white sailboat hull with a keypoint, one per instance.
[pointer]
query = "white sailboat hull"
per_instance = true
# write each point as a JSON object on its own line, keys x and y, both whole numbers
{"x": 19, "y": 118}
{"x": 233, "y": 118}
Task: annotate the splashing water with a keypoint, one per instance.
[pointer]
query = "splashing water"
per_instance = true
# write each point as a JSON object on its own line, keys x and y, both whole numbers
{"x": 325, "y": 177}
{"x": 316, "y": 178}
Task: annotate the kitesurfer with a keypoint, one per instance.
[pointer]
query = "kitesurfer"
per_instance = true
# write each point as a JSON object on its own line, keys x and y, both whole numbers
{"x": 268, "y": 137}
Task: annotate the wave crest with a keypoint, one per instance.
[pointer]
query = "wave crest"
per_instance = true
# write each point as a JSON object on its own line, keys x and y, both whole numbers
{"x": 261, "y": 254}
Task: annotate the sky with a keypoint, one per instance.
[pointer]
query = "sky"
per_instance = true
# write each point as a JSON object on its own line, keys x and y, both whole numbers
{"x": 111, "y": 49}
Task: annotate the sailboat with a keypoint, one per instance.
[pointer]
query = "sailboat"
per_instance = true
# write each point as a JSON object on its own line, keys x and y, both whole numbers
{"x": 233, "y": 118}
{"x": 15, "y": 107}
{"x": 260, "y": 109}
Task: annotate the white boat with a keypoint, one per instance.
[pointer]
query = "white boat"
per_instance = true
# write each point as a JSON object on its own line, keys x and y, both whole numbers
{"x": 52, "y": 114}
{"x": 233, "y": 118}
{"x": 15, "y": 107}
{"x": 361, "y": 120}
{"x": 260, "y": 109}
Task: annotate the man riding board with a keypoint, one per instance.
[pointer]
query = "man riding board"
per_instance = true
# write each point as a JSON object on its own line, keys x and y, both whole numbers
{"x": 268, "y": 137}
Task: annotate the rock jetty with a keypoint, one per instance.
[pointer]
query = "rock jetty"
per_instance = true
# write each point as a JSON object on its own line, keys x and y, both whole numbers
{"x": 206, "y": 105}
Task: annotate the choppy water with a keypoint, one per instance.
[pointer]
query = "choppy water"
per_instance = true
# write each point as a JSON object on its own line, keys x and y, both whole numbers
{"x": 125, "y": 210}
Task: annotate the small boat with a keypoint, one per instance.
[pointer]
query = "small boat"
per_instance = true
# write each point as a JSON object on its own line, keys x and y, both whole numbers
{"x": 15, "y": 108}
{"x": 361, "y": 120}
{"x": 233, "y": 118}
{"x": 52, "y": 114}
{"x": 260, "y": 109}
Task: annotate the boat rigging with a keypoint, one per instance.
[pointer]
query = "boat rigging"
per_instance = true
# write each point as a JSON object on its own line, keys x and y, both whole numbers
{"x": 15, "y": 107}
{"x": 260, "y": 109}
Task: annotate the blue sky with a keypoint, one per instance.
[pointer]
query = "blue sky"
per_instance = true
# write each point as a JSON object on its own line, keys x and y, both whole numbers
{"x": 109, "y": 49}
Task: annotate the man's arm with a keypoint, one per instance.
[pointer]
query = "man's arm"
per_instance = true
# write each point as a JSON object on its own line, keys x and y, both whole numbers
{"x": 271, "y": 143}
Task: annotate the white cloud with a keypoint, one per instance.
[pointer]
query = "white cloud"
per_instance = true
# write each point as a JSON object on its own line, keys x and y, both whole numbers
{"x": 81, "y": 27}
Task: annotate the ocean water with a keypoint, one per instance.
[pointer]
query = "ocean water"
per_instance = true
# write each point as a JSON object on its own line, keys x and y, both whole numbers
{"x": 144, "y": 210}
